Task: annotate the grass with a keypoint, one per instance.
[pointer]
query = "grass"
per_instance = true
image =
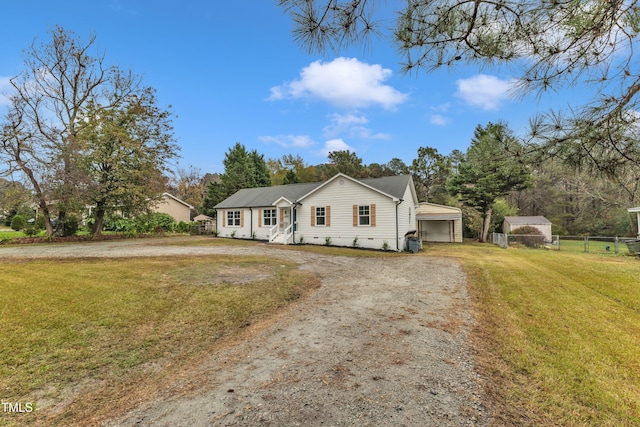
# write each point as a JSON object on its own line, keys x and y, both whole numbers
{"x": 10, "y": 235}
{"x": 557, "y": 333}
{"x": 6, "y": 236}
{"x": 95, "y": 331}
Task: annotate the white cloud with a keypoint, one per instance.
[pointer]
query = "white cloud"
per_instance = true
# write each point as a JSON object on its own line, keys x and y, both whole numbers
{"x": 121, "y": 7}
{"x": 335, "y": 145}
{"x": 343, "y": 122}
{"x": 484, "y": 91}
{"x": 366, "y": 133}
{"x": 351, "y": 124}
{"x": 439, "y": 120}
{"x": 343, "y": 82}
{"x": 289, "y": 141}
{"x": 4, "y": 90}
{"x": 441, "y": 108}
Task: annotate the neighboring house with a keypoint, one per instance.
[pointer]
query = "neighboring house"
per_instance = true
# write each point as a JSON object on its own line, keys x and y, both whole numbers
{"x": 637, "y": 212}
{"x": 178, "y": 209}
{"x": 541, "y": 223}
{"x": 438, "y": 223}
{"x": 371, "y": 213}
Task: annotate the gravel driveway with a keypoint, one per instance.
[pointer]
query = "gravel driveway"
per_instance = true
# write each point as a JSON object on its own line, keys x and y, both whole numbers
{"x": 383, "y": 342}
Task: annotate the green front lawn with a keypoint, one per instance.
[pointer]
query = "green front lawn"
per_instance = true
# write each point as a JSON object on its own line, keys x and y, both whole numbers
{"x": 99, "y": 330}
{"x": 558, "y": 333}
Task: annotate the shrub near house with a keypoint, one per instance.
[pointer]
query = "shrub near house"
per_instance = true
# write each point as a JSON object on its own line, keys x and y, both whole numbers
{"x": 18, "y": 223}
{"x": 153, "y": 222}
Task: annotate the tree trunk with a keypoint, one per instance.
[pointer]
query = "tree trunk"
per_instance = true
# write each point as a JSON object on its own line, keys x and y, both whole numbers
{"x": 47, "y": 219}
{"x": 99, "y": 217}
{"x": 60, "y": 229}
{"x": 425, "y": 192}
{"x": 486, "y": 223}
{"x": 42, "y": 200}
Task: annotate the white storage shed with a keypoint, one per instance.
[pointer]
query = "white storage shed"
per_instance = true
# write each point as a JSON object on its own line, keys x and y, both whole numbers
{"x": 514, "y": 222}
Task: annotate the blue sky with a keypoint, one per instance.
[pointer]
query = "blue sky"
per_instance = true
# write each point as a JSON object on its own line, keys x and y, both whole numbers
{"x": 232, "y": 73}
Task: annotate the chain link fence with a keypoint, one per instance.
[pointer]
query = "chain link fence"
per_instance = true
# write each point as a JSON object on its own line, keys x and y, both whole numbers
{"x": 534, "y": 241}
{"x": 586, "y": 244}
{"x": 594, "y": 244}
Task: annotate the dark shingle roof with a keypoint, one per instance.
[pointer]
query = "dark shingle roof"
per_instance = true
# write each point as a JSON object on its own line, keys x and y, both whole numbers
{"x": 391, "y": 185}
{"x": 266, "y": 196}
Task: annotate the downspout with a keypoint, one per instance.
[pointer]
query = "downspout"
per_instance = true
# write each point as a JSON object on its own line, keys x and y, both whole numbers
{"x": 397, "y": 226}
{"x": 251, "y": 222}
{"x": 293, "y": 220}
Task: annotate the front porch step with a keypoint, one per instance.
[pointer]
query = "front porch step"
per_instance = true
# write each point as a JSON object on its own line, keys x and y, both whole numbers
{"x": 280, "y": 239}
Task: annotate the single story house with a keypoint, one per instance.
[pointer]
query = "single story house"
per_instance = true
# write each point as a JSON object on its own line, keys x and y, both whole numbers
{"x": 511, "y": 223}
{"x": 637, "y": 212}
{"x": 178, "y": 209}
{"x": 438, "y": 223}
{"x": 373, "y": 213}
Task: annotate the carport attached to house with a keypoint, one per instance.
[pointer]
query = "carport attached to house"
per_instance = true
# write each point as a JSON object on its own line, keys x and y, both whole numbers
{"x": 438, "y": 223}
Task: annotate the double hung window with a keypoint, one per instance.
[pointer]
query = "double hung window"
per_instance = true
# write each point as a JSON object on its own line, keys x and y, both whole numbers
{"x": 364, "y": 215}
{"x": 233, "y": 218}
{"x": 269, "y": 217}
{"x": 321, "y": 216}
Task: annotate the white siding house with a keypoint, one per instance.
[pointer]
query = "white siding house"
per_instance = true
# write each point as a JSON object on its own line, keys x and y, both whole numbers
{"x": 371, "y": 213}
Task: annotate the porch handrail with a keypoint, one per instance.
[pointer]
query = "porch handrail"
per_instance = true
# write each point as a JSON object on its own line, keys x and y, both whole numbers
{"x": 273, "y": 232}
{"x": 288, "y": 232}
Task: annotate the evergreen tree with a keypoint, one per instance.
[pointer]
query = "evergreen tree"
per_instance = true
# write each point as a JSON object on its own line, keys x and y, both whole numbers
{"x": 291, "y": 177}
{"x": 261, "y": 177}
{"x": 348, "y": 163}
{"x": 242, "y": 169}
{"x": 489, "y": 170}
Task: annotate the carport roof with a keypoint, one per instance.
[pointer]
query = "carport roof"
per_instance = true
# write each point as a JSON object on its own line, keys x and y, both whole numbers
{"x": 438, "y": 216}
